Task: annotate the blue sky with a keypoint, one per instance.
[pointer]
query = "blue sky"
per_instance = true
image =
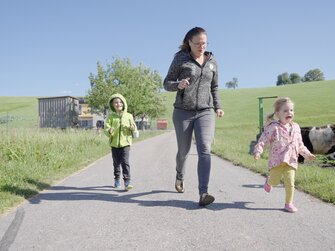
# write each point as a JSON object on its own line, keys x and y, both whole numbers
{"x": 49, "y": 48}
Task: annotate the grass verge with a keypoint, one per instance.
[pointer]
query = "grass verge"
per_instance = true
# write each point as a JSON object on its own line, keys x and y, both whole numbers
{"x": 236, "y": 131}
{"x": 32, "y": 160}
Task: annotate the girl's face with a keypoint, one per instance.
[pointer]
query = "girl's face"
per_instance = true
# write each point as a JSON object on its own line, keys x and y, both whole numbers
{"x": 198, "y": 44}
{"x": 286, "y": 113}
{"x": 118, "y": 105}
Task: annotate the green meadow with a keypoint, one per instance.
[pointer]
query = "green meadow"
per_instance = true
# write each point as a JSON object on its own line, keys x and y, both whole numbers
{"x": 19, "y": 112}
{"x": 314, "y": 106}
{"x": 32, "y": 159}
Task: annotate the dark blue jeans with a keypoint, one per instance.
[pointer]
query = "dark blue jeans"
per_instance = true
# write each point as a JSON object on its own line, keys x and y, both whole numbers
{"x": 121, "y": 158}
{"x": 202, "y": 123}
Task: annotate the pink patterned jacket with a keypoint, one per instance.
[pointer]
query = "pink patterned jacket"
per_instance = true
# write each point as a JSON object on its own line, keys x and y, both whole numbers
{"x": 285, "y": 146}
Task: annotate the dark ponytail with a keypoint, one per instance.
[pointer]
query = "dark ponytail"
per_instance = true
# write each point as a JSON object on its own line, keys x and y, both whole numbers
{"x": 189, "y": 35}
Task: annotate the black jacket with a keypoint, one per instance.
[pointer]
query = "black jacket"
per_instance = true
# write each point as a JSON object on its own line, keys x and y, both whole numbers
{"x": 202, "y": 93}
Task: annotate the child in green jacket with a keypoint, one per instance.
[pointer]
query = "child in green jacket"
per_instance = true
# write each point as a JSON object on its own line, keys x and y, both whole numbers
{"x": 119, "y": 127}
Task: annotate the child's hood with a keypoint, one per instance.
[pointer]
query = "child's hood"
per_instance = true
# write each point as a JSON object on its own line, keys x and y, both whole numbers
{"x": 118, "y": 95}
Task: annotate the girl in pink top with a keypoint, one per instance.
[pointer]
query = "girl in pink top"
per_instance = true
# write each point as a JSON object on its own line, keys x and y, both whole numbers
{"x": 285, "y": 141}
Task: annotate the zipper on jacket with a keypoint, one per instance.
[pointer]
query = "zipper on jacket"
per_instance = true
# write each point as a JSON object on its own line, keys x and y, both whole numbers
{"x": 200, "y": 79}
{"x": 120, "y": 131}
{"x": 196, "y": 102}
{"x": 201, "y": 67}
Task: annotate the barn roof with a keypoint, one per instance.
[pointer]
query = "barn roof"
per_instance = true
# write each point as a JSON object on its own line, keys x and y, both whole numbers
{"x": 58, "y": 97}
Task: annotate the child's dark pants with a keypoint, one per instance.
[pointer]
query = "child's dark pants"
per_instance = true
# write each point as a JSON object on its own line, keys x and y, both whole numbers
{"x": 121, "y": 158}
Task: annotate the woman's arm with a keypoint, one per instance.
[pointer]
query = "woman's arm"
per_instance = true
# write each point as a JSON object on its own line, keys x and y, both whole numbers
{"x": 171, "y": 80}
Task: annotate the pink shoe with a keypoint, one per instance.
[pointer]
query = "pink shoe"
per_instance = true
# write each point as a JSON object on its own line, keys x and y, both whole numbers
{"x": 266, "y": 186}
{"x": 290, "y": 208}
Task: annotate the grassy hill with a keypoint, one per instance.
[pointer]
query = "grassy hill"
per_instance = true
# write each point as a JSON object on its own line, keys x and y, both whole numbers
{"x": 236, "y": 131}
{"x": 314, "y": 104}
{"x": 19, "y": 111}
{"x": 31, "y": 159}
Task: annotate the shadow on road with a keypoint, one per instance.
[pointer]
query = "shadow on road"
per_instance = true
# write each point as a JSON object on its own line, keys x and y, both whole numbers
{"x": 110, "y": 194}
{"x": 240, "y": 205}
{"x": 259, "y": 186}
{"x": 253, "y": 186}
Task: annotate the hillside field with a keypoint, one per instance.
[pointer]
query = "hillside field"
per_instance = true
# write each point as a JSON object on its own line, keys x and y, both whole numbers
{"x": 235, "y": 132}
{"x": 32, "y": 158}
{"x": 19, "y": 112}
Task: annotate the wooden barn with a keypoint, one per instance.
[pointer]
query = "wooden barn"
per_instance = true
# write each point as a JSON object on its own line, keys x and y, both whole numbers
{"x": 58, "y": 112}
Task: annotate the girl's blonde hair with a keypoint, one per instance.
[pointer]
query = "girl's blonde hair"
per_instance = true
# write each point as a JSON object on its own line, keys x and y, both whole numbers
{"x": 277, "y": 105}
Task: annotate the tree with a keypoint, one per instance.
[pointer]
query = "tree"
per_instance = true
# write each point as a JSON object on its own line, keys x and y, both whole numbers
{"x": 232, "y": 84}
{"x": 283, "y": 79}
{"x": 102, "y": 88}
{"x": 314, "y": 75}
{"x": 295, "y": 78}
{"x": 139, "y": 85}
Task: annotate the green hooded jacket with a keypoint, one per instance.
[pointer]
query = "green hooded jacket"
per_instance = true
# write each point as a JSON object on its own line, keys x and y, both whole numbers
{"x": 122, "y": 134}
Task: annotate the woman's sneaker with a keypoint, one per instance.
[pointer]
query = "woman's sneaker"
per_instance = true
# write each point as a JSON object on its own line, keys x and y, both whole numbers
{"x": 128, "y": 186}
{"x": 289, "y": 207}
{"x": 180, "y": 186}
{"x": 206, "y": 199}
{"x": 266, "y": 186}
{"x": 117, "y": 184}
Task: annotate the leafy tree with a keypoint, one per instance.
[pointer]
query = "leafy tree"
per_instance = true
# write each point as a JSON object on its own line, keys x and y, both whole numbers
{"x": 295, "y": 78}
{"x": 102, "y": 87}
{"x": 314, "y": 75}
{"x": 283, "y": 79}
{"x": 232, "y": 84}
{"x": 140, "y": 86}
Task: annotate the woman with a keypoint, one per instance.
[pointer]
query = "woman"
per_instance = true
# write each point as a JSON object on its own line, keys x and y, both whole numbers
{"x": 193, "y": 75}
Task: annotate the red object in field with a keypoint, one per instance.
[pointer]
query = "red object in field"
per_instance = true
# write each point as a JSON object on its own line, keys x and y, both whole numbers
{"x": 162, "y": 124}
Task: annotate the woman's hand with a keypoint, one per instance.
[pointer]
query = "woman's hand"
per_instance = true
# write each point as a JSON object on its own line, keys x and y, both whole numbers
{"x": 111, "y": 130}
{"x": 219, "y": 113}
{"x": 183, "y": 83}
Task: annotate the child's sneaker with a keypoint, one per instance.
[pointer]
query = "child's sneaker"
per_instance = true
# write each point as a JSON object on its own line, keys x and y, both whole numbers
{"x": 266, "y": 186}
{"x": 128, "y": 186}
{"x": 117, "y": 184}
{"x": 290, "y": 208}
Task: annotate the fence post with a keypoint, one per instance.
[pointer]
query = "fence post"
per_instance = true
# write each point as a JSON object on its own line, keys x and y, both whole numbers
{"x": 260, "y": 109}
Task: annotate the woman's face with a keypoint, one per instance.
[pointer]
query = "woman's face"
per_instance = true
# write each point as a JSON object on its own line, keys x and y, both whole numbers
{"x": 198, "y": 44}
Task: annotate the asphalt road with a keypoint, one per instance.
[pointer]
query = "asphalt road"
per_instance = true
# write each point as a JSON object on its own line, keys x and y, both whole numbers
{"x": 84, "y": 211}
